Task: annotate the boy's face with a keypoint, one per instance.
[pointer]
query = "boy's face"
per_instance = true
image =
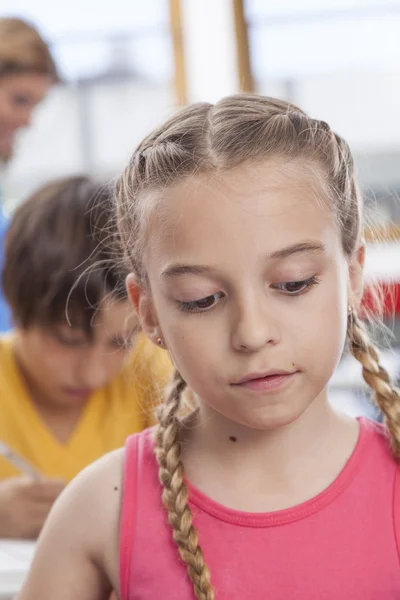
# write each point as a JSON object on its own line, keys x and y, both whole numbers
{"x": 63, "y": 367}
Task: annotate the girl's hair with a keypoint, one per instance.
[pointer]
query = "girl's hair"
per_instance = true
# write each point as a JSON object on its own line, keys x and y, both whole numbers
{"x": 23, "y": 50}
{"x": 206, "y": 138}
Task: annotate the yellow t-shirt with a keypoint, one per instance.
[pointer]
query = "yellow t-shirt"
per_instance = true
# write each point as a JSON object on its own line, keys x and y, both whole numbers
{"x": 109, "y": 416}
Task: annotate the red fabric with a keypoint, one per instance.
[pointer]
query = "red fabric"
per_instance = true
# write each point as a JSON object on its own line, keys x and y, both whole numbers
{"x": 390, "y": 296}
{"x": 396, "y": 510}
{"x": 340, "y": 544}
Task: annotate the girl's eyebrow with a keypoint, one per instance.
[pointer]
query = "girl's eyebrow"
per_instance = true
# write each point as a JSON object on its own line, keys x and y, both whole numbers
{"x": 176, "y": 270}
{"x": 310, "y": 246}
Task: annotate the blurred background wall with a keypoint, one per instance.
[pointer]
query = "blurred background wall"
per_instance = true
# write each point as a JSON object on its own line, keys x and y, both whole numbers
{"x": 339, "y": 60}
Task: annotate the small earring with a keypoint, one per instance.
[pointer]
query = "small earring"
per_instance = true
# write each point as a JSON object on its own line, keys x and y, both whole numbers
{"x": 160, "y": 342}
{"x": 349, "y": 310}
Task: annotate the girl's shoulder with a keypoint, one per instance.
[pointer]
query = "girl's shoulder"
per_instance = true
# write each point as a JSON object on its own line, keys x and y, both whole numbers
{"x": 82, "y": 531}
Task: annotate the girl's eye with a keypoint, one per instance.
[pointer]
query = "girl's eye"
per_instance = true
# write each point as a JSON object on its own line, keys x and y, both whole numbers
{"x": 295, "y": 288}
{"x": 201, "y": 305}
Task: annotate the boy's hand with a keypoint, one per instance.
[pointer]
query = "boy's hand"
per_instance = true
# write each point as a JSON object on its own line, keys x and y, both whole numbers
{"x": 25, "y": 504}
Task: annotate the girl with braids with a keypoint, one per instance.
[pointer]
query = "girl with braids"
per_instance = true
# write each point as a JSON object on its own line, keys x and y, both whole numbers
{"x": 242, "y": 224}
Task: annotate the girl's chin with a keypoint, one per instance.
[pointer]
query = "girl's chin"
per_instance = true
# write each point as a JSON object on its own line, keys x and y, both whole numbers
{"x": 266, "y": 422}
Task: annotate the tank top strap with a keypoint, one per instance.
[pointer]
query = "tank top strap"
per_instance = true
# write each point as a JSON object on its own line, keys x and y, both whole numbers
{"x": 396, "y": 509}
{"x": 140, "y": 501}
{"x": 128, "y": 512}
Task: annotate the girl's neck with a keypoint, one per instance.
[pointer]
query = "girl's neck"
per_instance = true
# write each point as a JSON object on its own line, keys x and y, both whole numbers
{"x": 268, "y": 469}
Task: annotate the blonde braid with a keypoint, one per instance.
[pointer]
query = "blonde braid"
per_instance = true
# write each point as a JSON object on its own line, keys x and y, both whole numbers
{"x": 387, "y": 396}
{"x": 175, "y": 493}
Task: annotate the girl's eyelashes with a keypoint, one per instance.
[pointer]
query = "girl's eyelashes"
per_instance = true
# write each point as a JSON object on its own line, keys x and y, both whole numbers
{"x": 201, "y": 305}
{"x": 287, "y": 288}
{"x": 296, "y": 288}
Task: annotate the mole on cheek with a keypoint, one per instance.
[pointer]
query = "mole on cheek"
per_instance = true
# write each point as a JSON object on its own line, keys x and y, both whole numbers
{"x": 233, "y": 438}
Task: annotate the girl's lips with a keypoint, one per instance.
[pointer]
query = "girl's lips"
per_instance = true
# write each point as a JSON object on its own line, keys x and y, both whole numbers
{"x": 263, "y": 374}
{"x": 270, "y": 381}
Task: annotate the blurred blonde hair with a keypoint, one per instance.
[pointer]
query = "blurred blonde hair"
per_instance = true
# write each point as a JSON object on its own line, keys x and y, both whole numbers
{"x": 23, "y": 50}
{"x": 206, "y": 138}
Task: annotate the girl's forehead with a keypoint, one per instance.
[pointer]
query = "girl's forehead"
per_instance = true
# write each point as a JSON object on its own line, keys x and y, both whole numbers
{"x": 262, "y": 187}
{"x": 244, "y": 211}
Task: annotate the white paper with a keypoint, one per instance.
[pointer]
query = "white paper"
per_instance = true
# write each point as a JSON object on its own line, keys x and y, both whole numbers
{"x": 15, "y": 560}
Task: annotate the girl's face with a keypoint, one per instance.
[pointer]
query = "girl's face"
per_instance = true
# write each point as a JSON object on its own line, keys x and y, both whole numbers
{"x": 19, "y": 95}
{"x": 250, "y": 289}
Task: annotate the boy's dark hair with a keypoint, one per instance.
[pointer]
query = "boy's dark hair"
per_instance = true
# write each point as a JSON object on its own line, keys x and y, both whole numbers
{"x": 59, "y": 260}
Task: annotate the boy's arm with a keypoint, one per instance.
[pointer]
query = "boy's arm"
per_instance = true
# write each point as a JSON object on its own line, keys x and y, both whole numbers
{"x": 77, "y": 553}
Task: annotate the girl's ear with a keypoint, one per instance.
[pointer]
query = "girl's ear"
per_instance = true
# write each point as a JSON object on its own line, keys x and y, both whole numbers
{"x": 143, "y": 305}
{"x": 356, "y": 276}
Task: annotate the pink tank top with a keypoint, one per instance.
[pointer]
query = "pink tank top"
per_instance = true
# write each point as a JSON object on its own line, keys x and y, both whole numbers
{"x": 341, "y": 544}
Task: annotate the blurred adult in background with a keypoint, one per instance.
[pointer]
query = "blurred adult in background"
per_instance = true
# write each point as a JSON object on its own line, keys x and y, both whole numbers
{"x": 76, "y": 377}
{"x": 27, "y": 71}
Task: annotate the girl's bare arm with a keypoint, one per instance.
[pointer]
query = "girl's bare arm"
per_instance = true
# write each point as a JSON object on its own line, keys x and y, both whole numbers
{"x": 77, "y": 554}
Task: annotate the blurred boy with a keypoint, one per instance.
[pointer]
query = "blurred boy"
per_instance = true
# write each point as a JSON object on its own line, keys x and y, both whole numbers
{"x": 65, "y": 396}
